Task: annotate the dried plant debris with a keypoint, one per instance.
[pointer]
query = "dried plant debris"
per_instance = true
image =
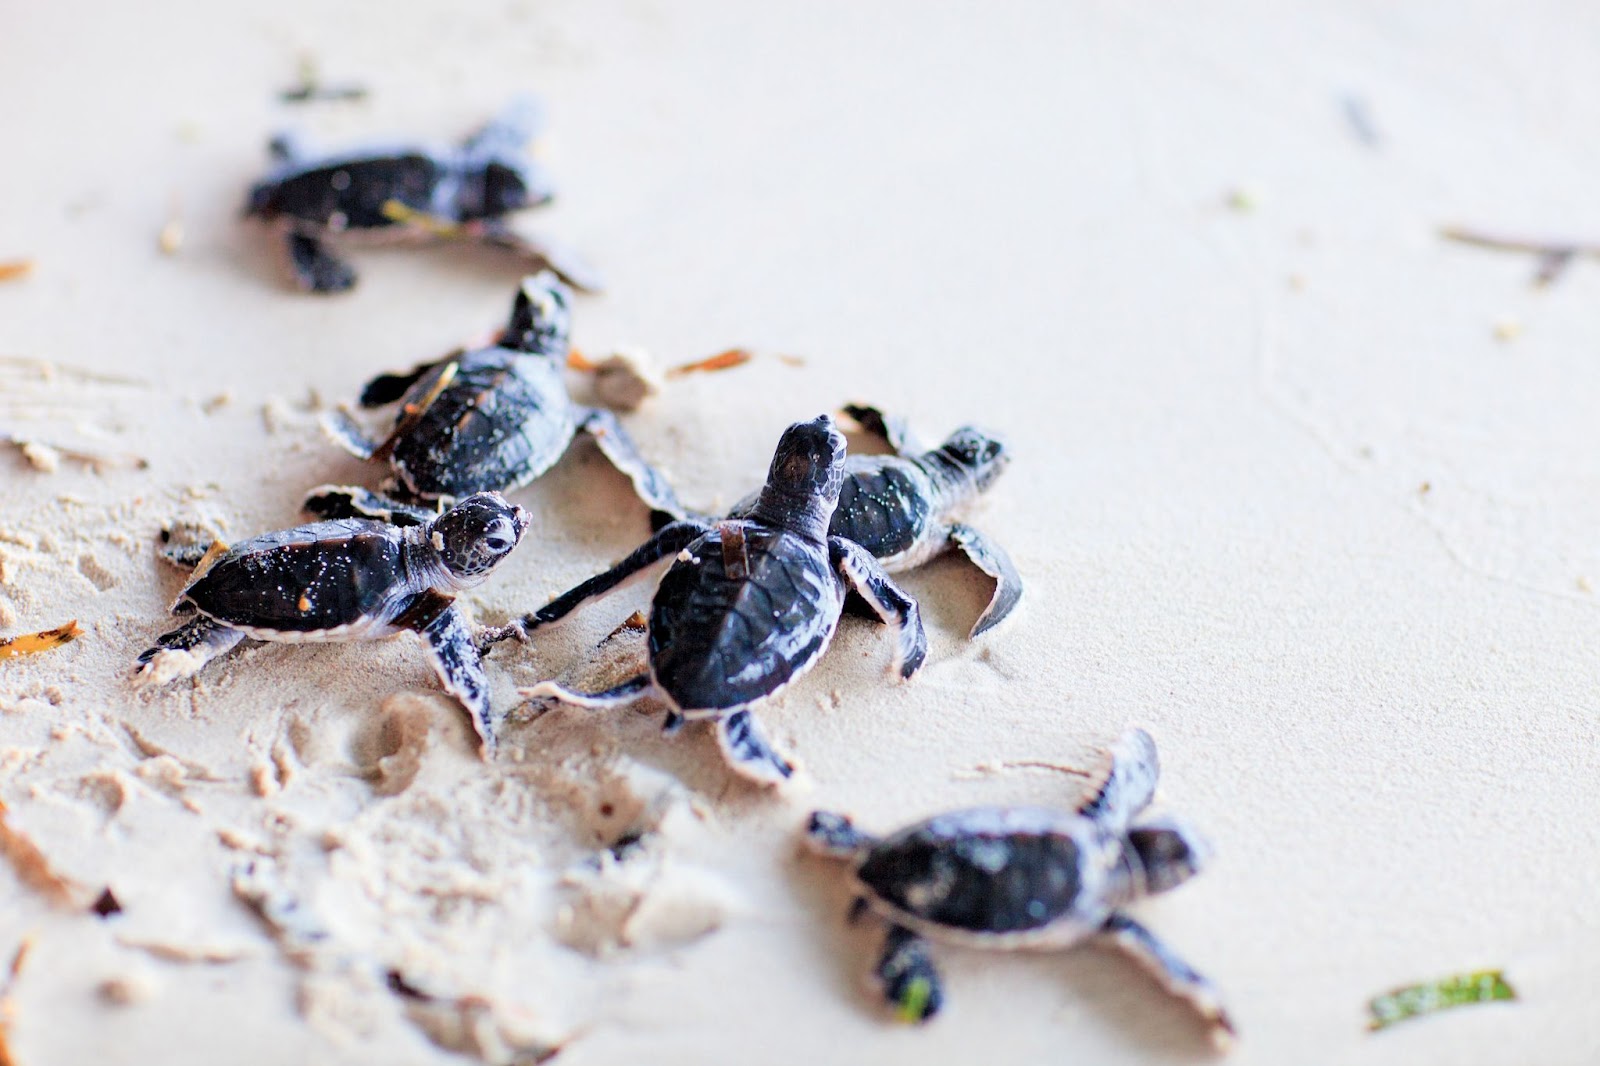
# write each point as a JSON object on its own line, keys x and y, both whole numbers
{"x": 311, "y": 88}
{"x": 468, "y": 1025}
{"x": 107, "y": 905}
{"x": 34, "y": 643}
{"x": 628, "y": 377}
{"x": 46, "y": 457}
{"x": 7, "y": 1009}
{"x": 170, "y": 238}
{"x": 31, "y": 865}
{"x": 1458, "y": 990}
{"x": 15, "y": 269}
{"x": 1554, "y": 256}
{"x": 1358, "y": 116}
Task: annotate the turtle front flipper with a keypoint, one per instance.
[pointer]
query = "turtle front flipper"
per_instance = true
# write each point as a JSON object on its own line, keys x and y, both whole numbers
{"x": 618, "y": 447}
{"x": 835, "y": 835}
{"x": 893, "y": 429}
{"x": 668, "y": 541}
{"x": 992, "y": 559}
{"x": 315, "y": 268}
{"x": 616, "y": 696}
{"x": 455, "y": 658}
{"x": 906, "y": 978}
{"x": 389, "y": 388}
{"x": 863, "y": 574}
{"x": 1175, "y": 975}
{"x": 748, "y": 751}
{"x": 352, "y": 501}
{"x": 185, "y": 650}
{"x": 512, "y": 128}
{"x": 539, "y": 253}
{"x": 1131, "y": 783}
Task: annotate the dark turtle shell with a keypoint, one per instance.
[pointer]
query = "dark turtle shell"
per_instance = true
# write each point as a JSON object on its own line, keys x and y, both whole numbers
{"x": 986, "y": 870}
{"x": 503, "y": 420}
{"x": 885, "y": 505}
{"x": 309, "y": 578}
{"x": 749, "y": 610}
{"x": 353, "y": 189}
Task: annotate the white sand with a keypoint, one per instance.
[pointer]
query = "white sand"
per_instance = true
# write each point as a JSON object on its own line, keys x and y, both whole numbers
{"x": 1281, "y": 495}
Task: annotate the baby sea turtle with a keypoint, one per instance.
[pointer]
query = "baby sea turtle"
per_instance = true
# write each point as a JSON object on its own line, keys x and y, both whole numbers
{"x": 492, "y": 418}
{"x": 1024, "y": 878}
{"x": 409, "y": 191}
{"x": 354, "y": 579}
{"x": 899, "y": 506}
{"x": 749, "y": 604}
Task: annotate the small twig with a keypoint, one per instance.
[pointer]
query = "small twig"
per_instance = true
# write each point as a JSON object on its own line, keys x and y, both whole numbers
{"x": 1554, "y": 255}
{"x": 311, "y": 87}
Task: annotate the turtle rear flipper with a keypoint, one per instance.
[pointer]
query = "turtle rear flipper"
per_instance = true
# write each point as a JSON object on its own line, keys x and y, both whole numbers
{"x": 540, "y": 253}
{"x": 992, "y": 559}
{"x": 185, "y": 650}
{"x": 315, "y": 268}
{"x": 865, "y": 575}
{"x": 906, "y": 978}
{"x": 748, "y": 751}
{"x": 1175, "y": 975}
{"x": 353, "y": 501}
{"x": 455, "y": 658}
{"x": 343, "y": 430}
{"x": 1131, "y": 783}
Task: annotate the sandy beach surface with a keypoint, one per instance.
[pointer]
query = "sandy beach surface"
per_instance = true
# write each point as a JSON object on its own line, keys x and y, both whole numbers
{"x": 1301, "y": 486}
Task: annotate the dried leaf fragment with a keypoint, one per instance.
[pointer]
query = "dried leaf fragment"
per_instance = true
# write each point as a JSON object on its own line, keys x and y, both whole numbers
{"x": 723, "y": 360}
{"x": 33, "y": 643}
{"x": 398, "y": 211}
{"x": 1457, "y": 990}
{"x": 31, "y": 865}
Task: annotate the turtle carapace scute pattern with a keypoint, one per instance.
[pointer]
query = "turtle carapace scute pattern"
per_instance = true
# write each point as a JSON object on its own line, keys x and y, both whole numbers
{"x": 347, "y": 580}
{"x": 903, "y": 507}
{"x": 748, "y": 605}
{"x": 1024, "y": 878}
{"x": 410, "y": 192}
{"x": 491, "y": 418}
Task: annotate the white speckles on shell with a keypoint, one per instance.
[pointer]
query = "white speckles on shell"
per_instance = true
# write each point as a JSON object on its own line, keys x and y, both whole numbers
{"x": 1097, "y": 850}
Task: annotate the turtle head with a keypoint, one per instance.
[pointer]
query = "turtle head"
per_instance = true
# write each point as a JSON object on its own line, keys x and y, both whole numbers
{"x": 1166, "y": 852}
{"x": 541, "y": 319}
{"x": 803, "y": 482}
{"x": 982, "y": 455}
{"x": 476, "y": 535}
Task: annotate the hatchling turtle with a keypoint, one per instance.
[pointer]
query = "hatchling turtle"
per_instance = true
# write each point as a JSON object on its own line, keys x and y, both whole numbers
{"x": 899, "y": 506}
{"x": 352, "y": 579}
{"x": 1024, "y": 878}
{"x": 749, "y": 604}
{"x": 491, "y": 418}
{"x": 409, "y": 191}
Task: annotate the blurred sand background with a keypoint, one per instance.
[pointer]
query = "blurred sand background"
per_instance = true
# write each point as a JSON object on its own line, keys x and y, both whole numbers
{"x": 1304, "y": 488}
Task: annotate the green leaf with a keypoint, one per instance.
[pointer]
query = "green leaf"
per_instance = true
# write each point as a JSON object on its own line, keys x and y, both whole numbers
{"x": 1483, "y": 986}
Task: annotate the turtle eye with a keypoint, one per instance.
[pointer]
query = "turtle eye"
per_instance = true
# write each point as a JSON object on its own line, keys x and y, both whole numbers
{"x": 498, "y": 544}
